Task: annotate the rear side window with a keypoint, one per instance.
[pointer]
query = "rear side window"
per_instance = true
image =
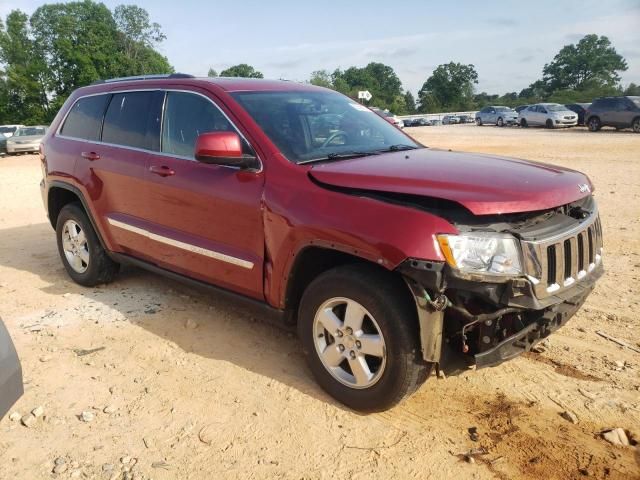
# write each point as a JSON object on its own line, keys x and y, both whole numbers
{"x": 132, "y": 120}
{"x": 85, "y": 118}
{"x": 186, "y": 116}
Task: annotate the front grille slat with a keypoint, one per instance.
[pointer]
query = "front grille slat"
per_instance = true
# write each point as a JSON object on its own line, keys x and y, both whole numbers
{"x": 560, "y": 262}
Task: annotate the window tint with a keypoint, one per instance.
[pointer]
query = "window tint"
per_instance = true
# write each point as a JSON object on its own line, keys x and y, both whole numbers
{"x": 132, "y": 120}
{"x": 186, "y": 116}
{"x": 85, "y": 118}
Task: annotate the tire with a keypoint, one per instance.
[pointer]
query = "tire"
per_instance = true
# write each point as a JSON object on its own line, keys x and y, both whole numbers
{"x": 549, "y": 123}
{"x": 635, "y": 125}
{"x": 523, "y": 123}
{"x": 594, "y": 124}
{"x": 479, "y": 121}
{"x": 389, "y": 314}
{"x": 500, "y": 122}
{"x": 83, "y": 257}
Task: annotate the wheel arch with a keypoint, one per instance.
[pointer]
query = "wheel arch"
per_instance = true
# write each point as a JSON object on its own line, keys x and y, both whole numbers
{"x": 60, "y": 194}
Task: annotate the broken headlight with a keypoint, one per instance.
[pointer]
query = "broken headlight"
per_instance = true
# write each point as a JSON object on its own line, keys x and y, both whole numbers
{"x": 485, "y": 253}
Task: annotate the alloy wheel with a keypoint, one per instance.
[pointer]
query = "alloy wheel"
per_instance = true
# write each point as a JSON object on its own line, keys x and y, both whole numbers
{"x": 349, "y": 343}
{"x": 75, "y": 246}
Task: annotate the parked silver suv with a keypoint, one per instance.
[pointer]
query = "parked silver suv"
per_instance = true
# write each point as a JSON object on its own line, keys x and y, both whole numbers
{"x": 618, "y": 112}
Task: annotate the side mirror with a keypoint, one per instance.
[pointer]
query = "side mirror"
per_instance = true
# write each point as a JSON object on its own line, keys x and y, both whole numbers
{"x": 223, "y": 148}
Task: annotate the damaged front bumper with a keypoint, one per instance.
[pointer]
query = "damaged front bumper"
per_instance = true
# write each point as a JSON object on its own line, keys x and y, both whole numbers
{"x": 512, "y": 321}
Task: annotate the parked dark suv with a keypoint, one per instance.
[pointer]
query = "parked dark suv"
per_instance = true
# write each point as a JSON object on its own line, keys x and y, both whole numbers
{"x": 618, "y": 112}
{"x": 392, "y": 259}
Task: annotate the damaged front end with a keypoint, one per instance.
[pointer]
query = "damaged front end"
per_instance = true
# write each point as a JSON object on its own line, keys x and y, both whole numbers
{"x": 473, "y": 319}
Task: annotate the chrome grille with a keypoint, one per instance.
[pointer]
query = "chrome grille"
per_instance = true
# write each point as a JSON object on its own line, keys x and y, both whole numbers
{"x": 555, "y": 263}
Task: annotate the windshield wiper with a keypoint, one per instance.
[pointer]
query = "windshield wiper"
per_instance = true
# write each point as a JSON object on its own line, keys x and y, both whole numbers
{"x": 398, "y": 147}
{"x": 339, "y": 156}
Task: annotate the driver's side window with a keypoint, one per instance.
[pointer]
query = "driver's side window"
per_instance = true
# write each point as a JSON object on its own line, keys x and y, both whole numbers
{"x": 186, "y": 116}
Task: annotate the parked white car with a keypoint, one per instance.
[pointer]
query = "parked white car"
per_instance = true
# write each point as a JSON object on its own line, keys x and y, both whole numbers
{"x": 26, "y": 140}
{"x": 389, "y": 117}
{"x": 496, "y": 115}
{"x": 9, "y": 130}
{"x": 550, "y": 115}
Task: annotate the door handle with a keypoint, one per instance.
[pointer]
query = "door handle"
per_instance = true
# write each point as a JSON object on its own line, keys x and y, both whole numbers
{"x": 162, "y": 170}
{"x": 90, "y": 155}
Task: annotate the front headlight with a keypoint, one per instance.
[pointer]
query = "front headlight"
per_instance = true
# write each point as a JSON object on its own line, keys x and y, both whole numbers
{"x": 487, "y": 253}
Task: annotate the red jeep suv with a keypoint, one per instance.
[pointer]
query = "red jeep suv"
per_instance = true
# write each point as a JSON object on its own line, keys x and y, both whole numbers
{"x": 393, "y": 259}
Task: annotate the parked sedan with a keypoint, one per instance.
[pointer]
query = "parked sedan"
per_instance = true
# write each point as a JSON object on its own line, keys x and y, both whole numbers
{"x": 388, "y": 116}
{"x": 26, "y": 139}
{"x": 550, "y": 115}
{"x": 496, "y": 115}
{"x": 8, "y": 130}
{"x": 450, "y": 120}
{"x": 11, "y": 388}
{"x": 420, "y": 122}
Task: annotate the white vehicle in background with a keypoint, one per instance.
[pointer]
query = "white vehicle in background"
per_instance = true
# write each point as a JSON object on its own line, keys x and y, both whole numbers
{"x": 550, "y": 115}
{"x": 496, "y": 115}
{"x": 450, "y": 120}
{"x": 26, "y": 139}
{"x": 9, "y": 130}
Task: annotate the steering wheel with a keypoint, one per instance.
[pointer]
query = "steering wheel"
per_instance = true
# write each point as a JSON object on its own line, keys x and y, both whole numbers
{"x": 333, "y": 136}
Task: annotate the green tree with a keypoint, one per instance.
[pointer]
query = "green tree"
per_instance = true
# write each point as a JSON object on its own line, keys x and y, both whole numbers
{"x": 450, "y": 87}
{"x": 212, "y": 73}
{"x": 409, "y": 103}
{"x": 632, "y": 89}
{"x": 321, "y": 78}
{"x": 241, "y": 70}
{"x": 64, "y": 46}
{"x": 591, "y": 63}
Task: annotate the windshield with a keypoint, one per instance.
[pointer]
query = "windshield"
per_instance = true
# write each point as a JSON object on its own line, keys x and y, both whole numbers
{"x": 555, "y": 108}
{"x": 635, "y": 100}
{"x": 309, "y": 125}
{"x": 7, "y": 129}
{"x": 26, "y": 131}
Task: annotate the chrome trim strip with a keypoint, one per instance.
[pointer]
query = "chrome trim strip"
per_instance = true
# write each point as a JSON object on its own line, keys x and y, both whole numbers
{"x": 182, "y": 245}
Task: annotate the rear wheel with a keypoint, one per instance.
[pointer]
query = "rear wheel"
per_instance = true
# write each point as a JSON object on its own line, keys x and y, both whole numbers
{"x": 594, "y": 124}
{"x": 359, "y": 332}
{"x": 523, "y": 123}
{"x": 500, "y": 122}
{"x": 86, "y": 262}
{"x": 636, "y": 125}
{"x": 479, "y": 121}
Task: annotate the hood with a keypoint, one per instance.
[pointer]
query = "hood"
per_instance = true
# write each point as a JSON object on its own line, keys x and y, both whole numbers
{"x": 26, "y": 138}
{"x": 484, "y": 184}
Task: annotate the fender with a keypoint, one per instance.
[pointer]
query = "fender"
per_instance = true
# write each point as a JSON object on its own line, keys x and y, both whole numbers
{"x": 75, "y": 190}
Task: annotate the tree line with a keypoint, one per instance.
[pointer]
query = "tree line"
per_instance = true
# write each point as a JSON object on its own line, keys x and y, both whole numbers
{"x": 63, "y": 46}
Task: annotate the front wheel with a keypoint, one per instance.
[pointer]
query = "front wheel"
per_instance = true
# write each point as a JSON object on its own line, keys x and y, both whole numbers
{"x": 479, "y": 122}
{"x": 500, "y": 122}
{"x": 549, "y": 123}
{"x": 523, "y": 123}
{"x": 359, "y": 332}
{"x": 636, "y": 125}
{"x": 594, "y": 124}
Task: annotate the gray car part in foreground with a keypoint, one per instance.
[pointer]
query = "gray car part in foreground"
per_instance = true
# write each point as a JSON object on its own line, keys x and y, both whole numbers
{"x": 11, "y": 387}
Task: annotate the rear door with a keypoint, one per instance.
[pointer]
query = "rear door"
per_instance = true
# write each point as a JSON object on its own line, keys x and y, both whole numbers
{"x": 11, "y": 388}
{"x": 205, "y": 220}
{"x": 131, "y": 131}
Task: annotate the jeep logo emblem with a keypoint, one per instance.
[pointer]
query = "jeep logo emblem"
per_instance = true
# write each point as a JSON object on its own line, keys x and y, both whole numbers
{"x": 583, "y": 187}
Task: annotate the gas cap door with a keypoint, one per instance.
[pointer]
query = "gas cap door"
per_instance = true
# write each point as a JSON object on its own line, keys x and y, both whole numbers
{"x": 11, "y": 387}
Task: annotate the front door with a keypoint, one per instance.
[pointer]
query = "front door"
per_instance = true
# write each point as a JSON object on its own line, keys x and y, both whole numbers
{"x": 205, "y": 221}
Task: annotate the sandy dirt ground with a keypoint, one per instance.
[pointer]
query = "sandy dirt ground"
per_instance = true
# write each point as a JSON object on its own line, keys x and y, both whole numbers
{"x": 185, "y": 385}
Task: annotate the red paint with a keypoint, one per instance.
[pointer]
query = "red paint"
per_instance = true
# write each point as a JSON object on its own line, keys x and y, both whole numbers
{"x": 267, "y": 217}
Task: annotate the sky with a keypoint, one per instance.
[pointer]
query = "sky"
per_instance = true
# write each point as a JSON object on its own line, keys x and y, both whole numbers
{"x": 508, "y": 42}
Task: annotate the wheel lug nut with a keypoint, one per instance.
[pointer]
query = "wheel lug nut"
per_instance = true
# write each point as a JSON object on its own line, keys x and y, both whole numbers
{"x": 352, "y": 354}
{"x": 341, "y": 347}
{"x": 349, "y": 331}
{"x": 358, "y": 344}
{"x": 339, "y": 333}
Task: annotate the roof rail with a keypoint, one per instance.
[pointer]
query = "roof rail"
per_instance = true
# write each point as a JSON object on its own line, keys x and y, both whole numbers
{"x": 143, "y": 77}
